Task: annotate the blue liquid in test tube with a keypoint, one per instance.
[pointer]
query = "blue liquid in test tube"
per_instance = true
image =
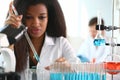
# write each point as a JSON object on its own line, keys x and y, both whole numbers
{"x": 99, "y": 42}
{"x": 66, "y": 75}
{"x": 104, "y": 77}
{"x": 56, "y": 76}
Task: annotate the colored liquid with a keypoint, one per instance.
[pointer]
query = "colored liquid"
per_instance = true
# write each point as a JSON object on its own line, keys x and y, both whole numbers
{"x": 99, "y": 42}
{"x": 112, "y": 67}
{"x": 77, "y": 76}
{"x": 56, "y": 76}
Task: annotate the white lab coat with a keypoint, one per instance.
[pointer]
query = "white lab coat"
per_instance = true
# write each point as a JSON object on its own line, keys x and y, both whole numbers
{"x": 88, "y": 50}
{"x": 54, "y": 48}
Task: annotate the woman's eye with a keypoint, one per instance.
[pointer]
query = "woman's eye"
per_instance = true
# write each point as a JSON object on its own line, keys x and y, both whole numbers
{"x": 28, "y": 17}
{"x": 42, "y": 17}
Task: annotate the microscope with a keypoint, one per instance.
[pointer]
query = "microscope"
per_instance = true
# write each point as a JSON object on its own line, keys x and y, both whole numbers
{"x": 8, "y": 36}
{"x": 8, "y": 62}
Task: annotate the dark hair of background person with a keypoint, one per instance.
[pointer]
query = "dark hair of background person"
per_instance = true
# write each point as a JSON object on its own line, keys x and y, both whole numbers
{"x": 56, "y": 26}
{"x": 93, "y": 21}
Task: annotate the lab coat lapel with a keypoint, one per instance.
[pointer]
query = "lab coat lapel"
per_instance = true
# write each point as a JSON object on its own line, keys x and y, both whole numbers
{"x": 45, "y": 49}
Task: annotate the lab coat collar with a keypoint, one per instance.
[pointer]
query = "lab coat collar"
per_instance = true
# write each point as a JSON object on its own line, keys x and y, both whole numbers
{"x": 49, "y": 40}
{"x": 90, "y": 38}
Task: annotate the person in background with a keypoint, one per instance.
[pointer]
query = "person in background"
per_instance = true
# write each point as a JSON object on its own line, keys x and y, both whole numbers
{"x": 88, "y": 52}
{"x": 47, "y": 31}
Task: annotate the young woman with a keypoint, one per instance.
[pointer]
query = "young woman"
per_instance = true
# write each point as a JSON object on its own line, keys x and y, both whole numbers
{"x": 47, "y": 31}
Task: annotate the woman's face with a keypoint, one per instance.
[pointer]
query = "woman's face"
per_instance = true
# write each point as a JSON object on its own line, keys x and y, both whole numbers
{"x": 36, "y": 20}
{"x": 93, "y": 31}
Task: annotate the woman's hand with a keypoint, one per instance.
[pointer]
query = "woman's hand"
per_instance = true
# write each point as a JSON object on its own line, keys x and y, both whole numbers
{"x": 60, "y": 64}
{"x": 63, "y": 61}
{"x": 13, "y": 20}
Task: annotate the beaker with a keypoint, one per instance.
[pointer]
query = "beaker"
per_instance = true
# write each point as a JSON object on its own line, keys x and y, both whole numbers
{"x": 36, "y": 74}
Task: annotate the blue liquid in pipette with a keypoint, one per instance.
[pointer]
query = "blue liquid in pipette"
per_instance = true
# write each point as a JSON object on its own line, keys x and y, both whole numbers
{"x": 99, "y": 42}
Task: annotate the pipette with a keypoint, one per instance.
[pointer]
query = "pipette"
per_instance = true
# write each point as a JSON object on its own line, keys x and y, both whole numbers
{"x": 27, "y": 37}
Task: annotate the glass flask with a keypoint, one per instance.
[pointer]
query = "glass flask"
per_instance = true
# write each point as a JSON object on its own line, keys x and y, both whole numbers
{"x": 99, "y": 40}
{"x": 112, "y": 61}
{"x": 112, "y": 66}
{"x": 36, "y": 74}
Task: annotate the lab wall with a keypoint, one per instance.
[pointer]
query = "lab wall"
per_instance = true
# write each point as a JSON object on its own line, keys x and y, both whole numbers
{"x": 4, "y": 9}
